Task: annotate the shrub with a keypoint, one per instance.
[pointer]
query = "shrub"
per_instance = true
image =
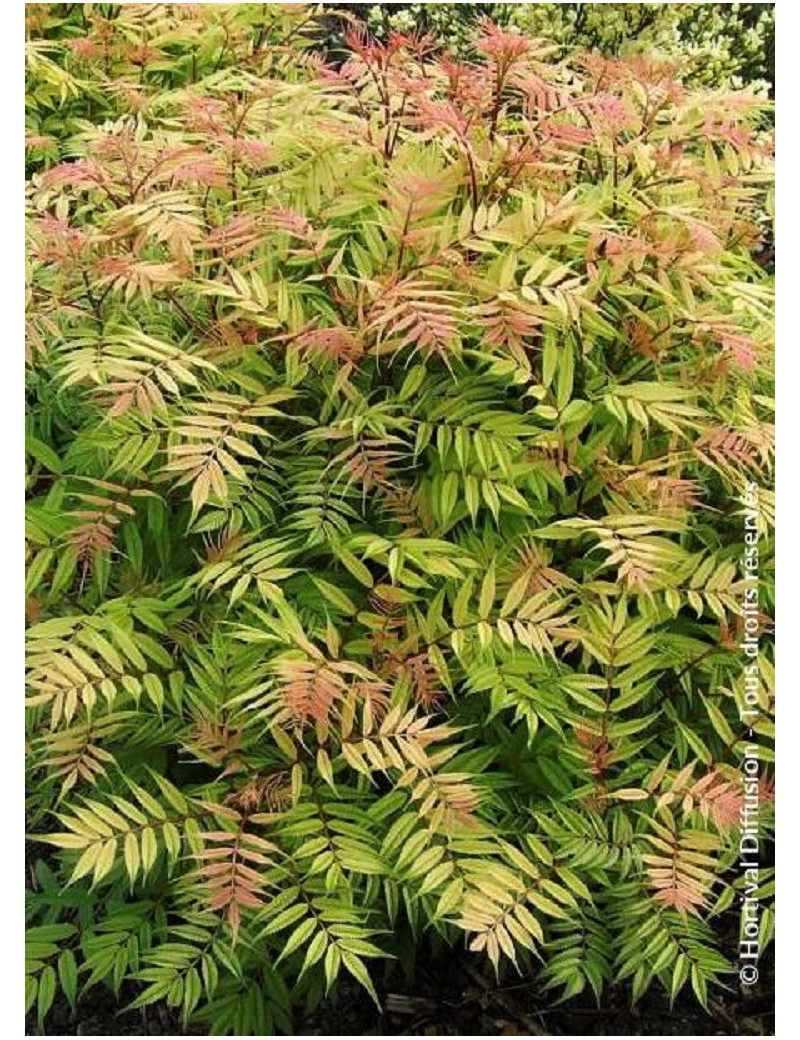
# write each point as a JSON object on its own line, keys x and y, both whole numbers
{"x": 391, "y": 435}
{"x": 721, "y": 45}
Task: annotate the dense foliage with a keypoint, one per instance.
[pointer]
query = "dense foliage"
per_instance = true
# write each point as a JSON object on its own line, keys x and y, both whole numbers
{"x": 390, "y": 435}
{"x": 718, "y": 44}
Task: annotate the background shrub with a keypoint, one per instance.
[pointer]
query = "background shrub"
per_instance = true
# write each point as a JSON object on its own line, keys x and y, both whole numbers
{"x": 389, "y": 434}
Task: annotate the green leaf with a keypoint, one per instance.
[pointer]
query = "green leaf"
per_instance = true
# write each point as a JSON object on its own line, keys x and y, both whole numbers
{"x": 358, "y": 970}
{"x": 46, "y": 993}
{"x": 68, "y": 976}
